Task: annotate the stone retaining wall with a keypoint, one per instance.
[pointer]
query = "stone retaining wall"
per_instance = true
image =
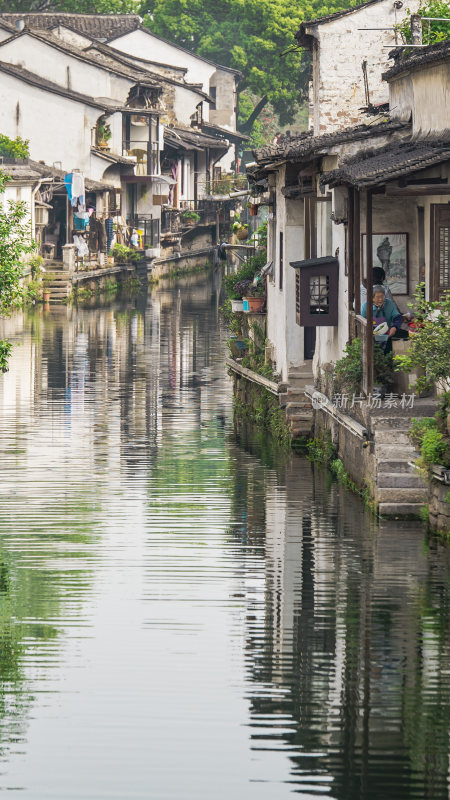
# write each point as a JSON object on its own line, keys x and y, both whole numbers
{"x": 439, "y": 507}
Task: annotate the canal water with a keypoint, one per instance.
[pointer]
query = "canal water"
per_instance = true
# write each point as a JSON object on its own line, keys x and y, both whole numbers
{"x": 187, "y": 613}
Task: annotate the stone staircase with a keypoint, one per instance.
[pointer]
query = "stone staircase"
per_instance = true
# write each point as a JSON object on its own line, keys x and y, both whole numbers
{"x": 61, "y": 282}
{"x": 399, "y": 490}
{"x": 296, "y": 404}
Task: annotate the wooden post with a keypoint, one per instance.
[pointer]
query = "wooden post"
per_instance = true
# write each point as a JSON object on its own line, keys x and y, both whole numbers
{"x": 369, "y": 283}
{"x": 350, "y": 249}
{"x": 357, "y": 250}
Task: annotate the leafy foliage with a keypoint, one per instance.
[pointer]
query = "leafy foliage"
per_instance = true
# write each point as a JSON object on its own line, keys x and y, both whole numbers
{"x": 246, "y": 273}
{"x": 14, "y": 148}
{"x": 433, "y": 32}
{"x": 348, "y": 370}
{"x": 250, "y": 37}
{"x": 430, "y": 344}
{"x": 419, "y": 427}
{"x": 433, "y": 447}
{"x": 14, "y": 243}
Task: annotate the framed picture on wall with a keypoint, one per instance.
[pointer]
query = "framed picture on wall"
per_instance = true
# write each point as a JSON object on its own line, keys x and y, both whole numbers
{"x": 389, "y": 251}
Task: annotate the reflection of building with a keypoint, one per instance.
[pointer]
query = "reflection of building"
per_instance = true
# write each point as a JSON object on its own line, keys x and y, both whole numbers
{"x": 347, "y": 667}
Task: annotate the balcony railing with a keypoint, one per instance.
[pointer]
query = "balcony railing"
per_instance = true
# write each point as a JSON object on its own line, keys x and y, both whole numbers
{"x": 172, "y": 220}
{"x": 148, "y": 230}
{"x": 146, "y": 155}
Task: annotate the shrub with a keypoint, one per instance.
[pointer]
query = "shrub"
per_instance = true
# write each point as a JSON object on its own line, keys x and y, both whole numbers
{"x": 14, "y": 148}
{"x": 433, "y": 447}
{"x": 190, "y": 216}
{"x": 246, "y": 273}
{"x": 419, "y": 427}
{"x": 436, "y": 31}
{"x": 430, "y": 343}
{"x": 124, "y": 255}
{"x": 348, "y": 370}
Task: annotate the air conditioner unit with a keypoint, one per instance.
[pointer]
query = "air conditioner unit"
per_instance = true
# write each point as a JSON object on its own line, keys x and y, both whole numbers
{"x": 41, "y": 216}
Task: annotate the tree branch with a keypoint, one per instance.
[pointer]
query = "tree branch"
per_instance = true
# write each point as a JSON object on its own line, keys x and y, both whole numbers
{"x": 248, "y": 124}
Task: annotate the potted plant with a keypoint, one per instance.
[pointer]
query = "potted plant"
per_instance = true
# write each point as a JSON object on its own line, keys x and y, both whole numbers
{"x": 254, "y": 299}
{"x": 46, "y": 281}
{"x": 190, "y": 218}
{"x": 103, "y": 134}
{"x": 237, "y": 293}
{"x": 242, "y": 233}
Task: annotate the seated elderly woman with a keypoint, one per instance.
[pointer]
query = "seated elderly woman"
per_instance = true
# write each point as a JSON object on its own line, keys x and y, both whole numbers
{"x": 384, "y": 310}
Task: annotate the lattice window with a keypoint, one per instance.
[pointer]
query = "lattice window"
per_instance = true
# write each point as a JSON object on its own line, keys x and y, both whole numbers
{"x": 297, "y": 297}
{"x": 444, "y": 258}
{"x": 319, "y": 294}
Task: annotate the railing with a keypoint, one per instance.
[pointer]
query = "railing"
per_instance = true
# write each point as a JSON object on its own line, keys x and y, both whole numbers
{"x": 223, "y": 185}
{"x": 148, "y": 230}
{"x": 174, "y": 220}
{"x": 146, "y": 155}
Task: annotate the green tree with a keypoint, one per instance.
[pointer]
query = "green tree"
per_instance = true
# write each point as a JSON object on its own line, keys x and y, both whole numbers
{"x": 433, "y": 31}
{"x": 14, "y": 244}
{"x": 255, "y": 37}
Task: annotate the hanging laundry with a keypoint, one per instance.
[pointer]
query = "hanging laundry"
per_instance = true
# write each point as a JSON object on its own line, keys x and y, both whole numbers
{"x": 109, "y": 225}
{"x": 101, "y": 233}
{"x": 74, "y": 183}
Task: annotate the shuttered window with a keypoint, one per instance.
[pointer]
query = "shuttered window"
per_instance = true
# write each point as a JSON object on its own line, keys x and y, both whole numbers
{"x": 440, "y": 250}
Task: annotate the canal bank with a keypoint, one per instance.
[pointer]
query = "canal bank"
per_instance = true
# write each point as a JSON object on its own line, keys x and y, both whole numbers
{"x": 177, "y": 590}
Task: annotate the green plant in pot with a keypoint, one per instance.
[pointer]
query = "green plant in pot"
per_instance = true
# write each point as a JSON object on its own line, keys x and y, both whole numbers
{"x": 242, "y": 232}
{"x": 190, "y": 217}
{"x": 103, "y": 133}
{"x": 254, "y": 298}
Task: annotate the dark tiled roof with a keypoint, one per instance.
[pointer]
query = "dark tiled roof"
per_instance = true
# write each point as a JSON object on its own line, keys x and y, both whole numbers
{"x": 111, "y": 64}
{"x": 191, "y": 139}
{"x": 407, "y": 59}
{"x": 48, "y": 86}
{"x": 184, "y": 50}
{"x": 97, "y": 26}
{"x": 234, "y": 136}
{"x": 29, "y": 170}
{"x": 306, "y": 144}
{"x": 388, "y": 163}
{"x": 127, "y": 59}
{"x": 303, "y": 37}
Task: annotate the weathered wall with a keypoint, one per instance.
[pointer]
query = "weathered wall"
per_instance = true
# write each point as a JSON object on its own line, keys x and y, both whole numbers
{"x": 439, "y": 508}
{"x": 145, "y": 45}
{"x": 425, "y": 95}
{"x": 342, "y": 45}
{"x": 64, "y": 69}
{"x": 224, "y": 114}
{"x": 71, "y": 37}
{"x": 285, "y": 336}
{"x": 64, "y": 130}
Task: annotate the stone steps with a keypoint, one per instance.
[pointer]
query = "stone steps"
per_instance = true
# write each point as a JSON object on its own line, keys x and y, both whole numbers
{"x": 391, "y": 437}
{"x": 394, "y": 494}
{"x": 297, "y": 406}
{"x": 399, "y": 509}
{"x": 405, "y": 480}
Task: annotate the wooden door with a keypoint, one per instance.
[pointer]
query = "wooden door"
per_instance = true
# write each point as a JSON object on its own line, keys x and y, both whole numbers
{"x": 440, "y": 250}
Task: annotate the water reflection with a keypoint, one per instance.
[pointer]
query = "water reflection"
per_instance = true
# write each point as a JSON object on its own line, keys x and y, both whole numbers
{"x": 187, "y": 614}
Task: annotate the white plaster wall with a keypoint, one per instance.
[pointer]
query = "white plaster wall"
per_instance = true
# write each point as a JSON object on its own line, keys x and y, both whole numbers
{"x": 343, "y": 45}
{"x": 52, "y": 64}
{"x": 145, "y": 45}
{"x": 184, "y": 105}
{"x": 64, "y": 130}
{"x": 224, "y": 114}
{"x": 4, "y": 34}
{"x": 285, "y": 336}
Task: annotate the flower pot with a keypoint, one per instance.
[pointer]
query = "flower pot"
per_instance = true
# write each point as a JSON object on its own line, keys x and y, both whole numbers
{"x": 46, "y": 296}
{"x": 242, "y": 234}
{"x": 237, "y": 305}
{"x": 253, "y": 305}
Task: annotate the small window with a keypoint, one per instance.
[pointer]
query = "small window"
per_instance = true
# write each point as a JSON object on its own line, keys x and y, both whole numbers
{"x": 319, "y": 295}
{"x": 213, "y": 94}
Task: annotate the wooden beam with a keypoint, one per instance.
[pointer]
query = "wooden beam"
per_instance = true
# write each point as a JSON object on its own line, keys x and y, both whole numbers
{"x": 350, "y": 249}
{"x": 418, "y": 190}
{"x": 357, "y": 250}
{"x": 369, "y": 283}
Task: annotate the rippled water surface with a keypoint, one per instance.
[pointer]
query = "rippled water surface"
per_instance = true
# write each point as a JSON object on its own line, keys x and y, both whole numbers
{"x": 184, "y": 615}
